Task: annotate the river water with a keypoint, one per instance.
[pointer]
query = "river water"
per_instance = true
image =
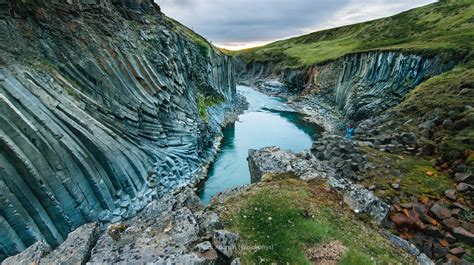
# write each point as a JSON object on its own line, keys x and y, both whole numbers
{"x": 267, "y": 122}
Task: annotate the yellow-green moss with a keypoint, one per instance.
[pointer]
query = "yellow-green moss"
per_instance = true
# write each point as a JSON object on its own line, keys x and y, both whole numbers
{"x": 205, "y": 102}
{"x": 413, "y": 177}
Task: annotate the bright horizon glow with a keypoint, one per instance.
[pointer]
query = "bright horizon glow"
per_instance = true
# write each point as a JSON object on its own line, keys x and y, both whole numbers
{"x": 237, "y": 46}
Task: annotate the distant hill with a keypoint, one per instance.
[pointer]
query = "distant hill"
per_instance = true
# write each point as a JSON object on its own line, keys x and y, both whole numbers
{"x": 445, "y": 27}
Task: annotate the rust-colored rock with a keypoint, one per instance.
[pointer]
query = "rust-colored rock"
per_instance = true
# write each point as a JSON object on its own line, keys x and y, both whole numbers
{"x": 458, "y": 251}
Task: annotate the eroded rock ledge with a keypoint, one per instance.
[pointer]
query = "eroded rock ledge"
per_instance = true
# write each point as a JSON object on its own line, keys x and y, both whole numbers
{"x": 176, "y": 229}
{"x": 272, "y": 163}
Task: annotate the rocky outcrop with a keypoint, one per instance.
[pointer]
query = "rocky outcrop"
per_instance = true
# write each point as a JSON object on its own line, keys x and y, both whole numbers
{"x": 272, "y": 163}
{"x": 360, "y": 85}
{"x": 100, "y": 109}
{"x": 175, "y": 229}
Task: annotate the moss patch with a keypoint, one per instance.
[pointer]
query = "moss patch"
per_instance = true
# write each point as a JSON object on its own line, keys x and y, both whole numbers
{"x": 205, "y": 102}
{"x": 277, "y": 221}
{"x": 412, "y": 173}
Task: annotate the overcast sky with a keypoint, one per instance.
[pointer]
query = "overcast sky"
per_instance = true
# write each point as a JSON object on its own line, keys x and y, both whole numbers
{"x": 236, "y": 24}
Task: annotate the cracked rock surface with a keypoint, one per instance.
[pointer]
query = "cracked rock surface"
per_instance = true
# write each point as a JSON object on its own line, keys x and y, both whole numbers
{"x": 176, "y": 229}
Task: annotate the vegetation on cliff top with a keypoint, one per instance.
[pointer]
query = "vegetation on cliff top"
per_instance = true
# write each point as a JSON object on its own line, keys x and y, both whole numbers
{"x": 203, "y": 45}
{"x": 445, "y": 27}
{"x": 291, "y": 221}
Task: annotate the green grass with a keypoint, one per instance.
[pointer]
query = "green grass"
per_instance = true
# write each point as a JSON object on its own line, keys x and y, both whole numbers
{"x": 272, "y": 215}
{"x": 445, "y": 28}
{"x": 470, "y": 251}
{"x": 202, "y": 44}
{"x": 441, "y": 95}
{"x": 414, "y": 180}
{"x": 205, "y": 102}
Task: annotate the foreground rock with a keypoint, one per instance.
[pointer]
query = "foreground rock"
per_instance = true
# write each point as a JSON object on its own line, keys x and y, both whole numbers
{"x": 74, "y": 250}
{"x": 177, "y": 229}
{"x": 31, "y": 255}
{"x": 272, "y": 163}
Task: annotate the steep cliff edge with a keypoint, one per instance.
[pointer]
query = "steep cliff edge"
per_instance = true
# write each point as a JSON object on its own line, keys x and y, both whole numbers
{"x": 361, "y": 84}
{"x": 102, "y": 102}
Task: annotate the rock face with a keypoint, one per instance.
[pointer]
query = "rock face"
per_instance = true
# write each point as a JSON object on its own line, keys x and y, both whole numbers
{"x": 361, "y": 84}
{"x": 101, "y": 104}
{"x": 75, "y": 249}
{"x": 272, "y": 163}
{"x": 31, "y": 255}
{"x": 172, "y": 230}
{"x": 169, "y": 231}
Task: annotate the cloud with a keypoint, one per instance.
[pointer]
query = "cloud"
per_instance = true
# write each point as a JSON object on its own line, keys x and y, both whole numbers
{"x": 243, "y": 23}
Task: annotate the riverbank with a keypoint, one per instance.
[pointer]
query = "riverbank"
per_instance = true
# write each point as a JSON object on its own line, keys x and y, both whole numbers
{"x": 268, "y": 121}
{"x": 390, "y": 161}
{"x": 222, "y": 117}
{"x": 314, "y": 108}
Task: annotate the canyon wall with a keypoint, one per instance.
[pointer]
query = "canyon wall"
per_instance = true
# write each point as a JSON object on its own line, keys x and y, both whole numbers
{"x": 100, "y": 108}
{"x": 361, "y": 84}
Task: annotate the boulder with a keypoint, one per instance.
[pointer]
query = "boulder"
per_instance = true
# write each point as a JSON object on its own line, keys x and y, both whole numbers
{"x": 225, "y": 242}
{"x": 450, "y": 194}
{"x": 448, "y": 123}
{"x": 270, "y": 163}
{"x": 457, "y": 251}
{"x": 462, "y": 187}
{"x": 427, "y": 125}
{"x": 76, "y": 248}
{"x": 464, "y": 177}
{"x": 440, "y": 212}
{"x": 462, "y": 234}
{"x": 451, "y": 223}
{"x": 208, "y": 221}
{"x": 32, "y": 255}
{"x": 449, "y": 237}
{"x": 433, "y": 231}
{"x": 203, "y": 247}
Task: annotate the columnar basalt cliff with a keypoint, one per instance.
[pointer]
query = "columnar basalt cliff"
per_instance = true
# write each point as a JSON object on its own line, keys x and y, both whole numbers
{"x": 102, "y": 103}
{"x": 361, "y": 84}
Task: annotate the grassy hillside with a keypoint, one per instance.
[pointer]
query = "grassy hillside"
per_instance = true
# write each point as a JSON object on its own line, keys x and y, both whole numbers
{"x": 294, "y": 222}
{"x": 446, "y": 96}
{"x": 446, "y": 28}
